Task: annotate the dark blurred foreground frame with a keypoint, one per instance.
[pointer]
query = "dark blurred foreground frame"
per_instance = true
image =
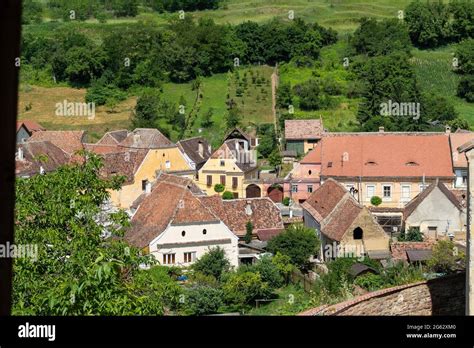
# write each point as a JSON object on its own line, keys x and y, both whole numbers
{"x": 10, "y": 26}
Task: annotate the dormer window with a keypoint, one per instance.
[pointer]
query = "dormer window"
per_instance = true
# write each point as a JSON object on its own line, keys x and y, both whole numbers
{"x": 329, "y": 164}
{"x": 411, "y": 163}
{"x": 370, "y": 163}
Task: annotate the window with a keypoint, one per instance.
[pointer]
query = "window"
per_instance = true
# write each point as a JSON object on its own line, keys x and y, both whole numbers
{"x": 310, "y": 188}
{"x": 358, "y": 233}
{"x": 309, "y": 172}
{"x": 294, "y": 188}
{"x": 422, "y": 187}
{"x": 168, "y": 164}
{"x": 204, "y": 231}
{"x": 387, "y": 192}
{"x": 235, "y": 182}
{"x": 189, "y": 257}
{"x": 223, "y": 180}
{"x": 209, "y": 180}
{"x": 370, "y": 191}
{"x": 183, "y": 233}
{"x": 144, "y": 182}
{"x": 406, "y": 192}
{"x": 222, "y": 163}
{"x": 461, "y": 178}
{"x": 168, "y": 259}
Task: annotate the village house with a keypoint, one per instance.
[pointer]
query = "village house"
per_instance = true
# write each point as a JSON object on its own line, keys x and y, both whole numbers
{"x": 457, "y": 139}
{"x": 39, "y": 157}
{"x": 262, "y": 213}
{"x": 302, "y": 135}
{"x": 438, "y": 213}
{"x": 238, "y": 134}
{"x": 139, "y": 155}
{"x": 172, "y": 223}
{"x": 304, "y": 178}
{"x": 345, "y": 227}
{"x": 392, "y": 166}
{"x": 197, "y": 150}
{"x": 25, "y": 129}
{"x": 233, "y": 165}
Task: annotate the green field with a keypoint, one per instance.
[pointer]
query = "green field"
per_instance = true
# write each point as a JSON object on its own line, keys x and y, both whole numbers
{"x": 435, "y": 73}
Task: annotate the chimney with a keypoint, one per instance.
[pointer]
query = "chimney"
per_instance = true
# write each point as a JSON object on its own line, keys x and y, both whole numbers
{"x": 19, "y": 154}
{"x": 201, "y": 149}
{"x": 148, "y": 187}
{"x": 381, "y": 129}
{"x": 448, "y": 129}
{"x": 248, "y": 208}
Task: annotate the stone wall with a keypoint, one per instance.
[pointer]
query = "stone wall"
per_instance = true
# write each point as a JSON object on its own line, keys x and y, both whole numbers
{"x": 441, "y": 296}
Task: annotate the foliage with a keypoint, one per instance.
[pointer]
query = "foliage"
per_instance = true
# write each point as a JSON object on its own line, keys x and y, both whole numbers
{"x": 227, "y": 195}
{"x": 248, "y": 232}
{"x": 242, "y": 288}
{"x": 275, "y": 159}
{"x": 443, "y": 259}
{"x": 370, "y": 281}
{"x": 298, "y": 242}
{"x": 412, "y": 235}
{"x": 459, "y": 123}
{"x": 233, "y": 118}
{"x": 219, "y": 188}
{"x": 376, "y": 200}
{"x": 310, "y": 95}
{"x": 185, "y": 5}
{"x": 213, "y": 263}
{"x": 202, "y": 300}
{"x": 466, "y": 88}
{"x": 283, "y": 264}
{"x": 401, "y": 273}
{"x": 78, "y": 269}
{"x": 101, "y": 93}
{"x": 286, "y": 201}
{"x": 32, "y": 12}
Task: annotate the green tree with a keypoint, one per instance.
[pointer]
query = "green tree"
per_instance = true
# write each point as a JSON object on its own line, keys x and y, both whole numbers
{"x": 298, "y": 242}
{"x": 248, "y": 232}
{"x": 466, "y": 88}
{"x": 207, "y": 121}
{"x": 82, "y": 266}
{"x": 219, "y": 188}
{"x": 242, "y": 288}
{"x": 443, "y": 259}
{"x": 412, "y": 235}
{"x": 227, "y": 195}
{"x": 202, "y": 300}
{"x": 213, "y": 263}
{"x": 376, "y": 201}
{"x": 275, "y": 158}
{"x": 232, "y": 118}
{"x": 284, "y": 265}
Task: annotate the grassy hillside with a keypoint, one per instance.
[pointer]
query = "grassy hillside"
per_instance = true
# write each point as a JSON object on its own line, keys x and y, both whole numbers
{"x": 435, "y": 72}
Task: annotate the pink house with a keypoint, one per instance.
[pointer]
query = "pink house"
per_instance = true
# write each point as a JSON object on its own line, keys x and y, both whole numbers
{"x": 304, "y": 179}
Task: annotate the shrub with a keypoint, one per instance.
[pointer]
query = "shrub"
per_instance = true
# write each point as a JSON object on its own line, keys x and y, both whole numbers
{"x": 399, "y": 274}
{"x": 284, "y": 266}
{"x": 248, "y": 233}
{"x": 370, "y": 282}
{"x": 203, "y": 300}
{"x": 219, "y": 188}
{"x": 213, "y": 263}
{"x": 376, "y": 200}
{"x": 298, "y": 242}
{"x": 412, "y": 235}
{"x": 286, "y": 201}
{"x": 269, "y": 271}
{"x": 243, "y": 287}
{"x": 443, "y": 259}
{"x": 227, "y": 195}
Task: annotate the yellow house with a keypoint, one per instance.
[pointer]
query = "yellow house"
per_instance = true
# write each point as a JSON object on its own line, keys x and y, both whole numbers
{"x": 230, "y": 165}
{"x": 139, "y": 157}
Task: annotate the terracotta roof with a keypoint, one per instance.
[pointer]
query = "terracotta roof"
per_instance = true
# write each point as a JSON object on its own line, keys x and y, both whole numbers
{"x": 146, "y": 138}
{"x": 457, "y": 139}
{"x": 68, "y": 141}
{"x": 113, "y": 137}
{"x": 461, "y": 196}
{"x": 323, "y": 201}
{"x": 264, "y": 214}
{"x": 169, "y": 203}
{"x": 37, "y": 154}
{"x": 266, "y": 235}
{"x": 124, "y": 163}
{"x": 386, "y": 155}
{"x": 399, "y": 249}
{"x": 191, "y": 148}
{"x": 341, "y": 218}
{"x": 313, "y": 156}
{"x": 30, "y": 126}
{"x": 303, "y": 129}
{"x": 415, "y": 202}
{"x": 101, "y": 149}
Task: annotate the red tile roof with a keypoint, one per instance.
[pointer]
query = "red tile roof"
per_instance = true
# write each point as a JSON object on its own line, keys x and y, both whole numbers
{"x": 341, "y": 218}
{"x": 303, "y": 129}
{"x": 313, "y": 156}
{"x": 146, "y": 138}
{"x": 323, "y": 201}
{"x": 170, "y": 202}
{"x": 386, "y": 155}
{"x": 68, "y": 141}
{"x": 37, "y": 154}
{"x": 263, "y": 213}
{"x": 113, "y": 137}
{"x": 30, "y": 126}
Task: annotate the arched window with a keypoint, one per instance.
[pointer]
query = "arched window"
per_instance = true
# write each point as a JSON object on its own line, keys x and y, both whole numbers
{"x": 358, "y": 233}
{"x": 183, "y": 233}
{"x": 309, "y": 172}
{"x": 204, "y": 231}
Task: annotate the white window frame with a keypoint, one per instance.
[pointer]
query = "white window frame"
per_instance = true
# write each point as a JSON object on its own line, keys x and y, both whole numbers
{"x": 168, "y": 164}
{"x": 193, "y": 256}
{"x": 402, "y": 198}
{"x": 369, "y": 197}
{"x": 294, "y": 188}
{"x": 388, "y": 198}
{"x": 308, "y": 187}
{"x": 167, "y": 257}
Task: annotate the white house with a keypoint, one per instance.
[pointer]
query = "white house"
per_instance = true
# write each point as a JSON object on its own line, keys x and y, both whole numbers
{"x": 438, "y": 212}
{"x": 173, "y": 225}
